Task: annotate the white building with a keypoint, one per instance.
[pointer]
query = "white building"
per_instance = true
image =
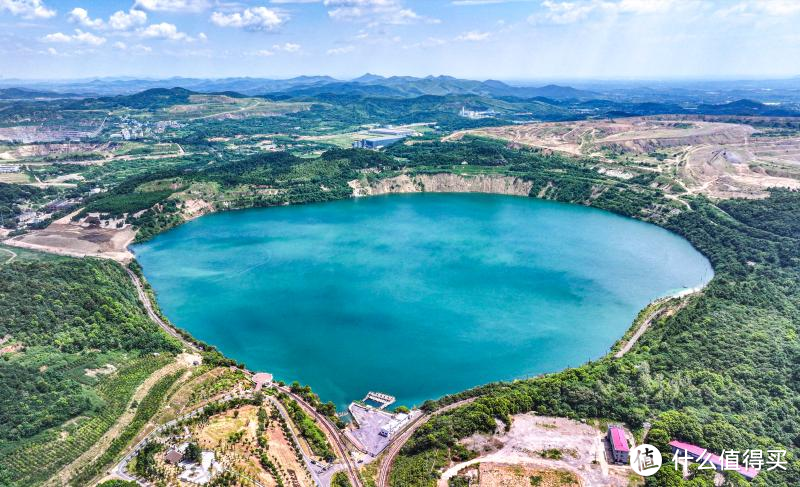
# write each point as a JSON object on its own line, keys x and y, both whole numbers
{"x": 477, "y": 115}
{"x": 394, "y": 425}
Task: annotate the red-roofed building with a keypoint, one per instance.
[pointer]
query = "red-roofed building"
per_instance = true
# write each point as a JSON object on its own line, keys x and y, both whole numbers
{"x": 701, "y": 455}
{"x": 619, "y": 444}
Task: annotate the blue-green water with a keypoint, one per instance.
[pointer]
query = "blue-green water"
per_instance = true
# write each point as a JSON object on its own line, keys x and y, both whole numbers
{"x": 414, "y": 295}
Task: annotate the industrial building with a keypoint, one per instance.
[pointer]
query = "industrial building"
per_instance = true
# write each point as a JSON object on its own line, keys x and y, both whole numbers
{"x": 701, "y": 455}
{"x": 9, "y": 169}
{"x": 477, "y": 115}
{"x": 396, "y": 132}
{"x": 377, "y": 142}
{"x": 619, "y": 444}
{"x": 393, "y": 426}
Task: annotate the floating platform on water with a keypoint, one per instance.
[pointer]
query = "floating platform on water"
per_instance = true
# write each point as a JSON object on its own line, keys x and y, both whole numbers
{"x": 378, "y": 400}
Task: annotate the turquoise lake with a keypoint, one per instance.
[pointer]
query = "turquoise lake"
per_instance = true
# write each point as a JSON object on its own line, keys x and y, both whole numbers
{"x": 414, "y": 295}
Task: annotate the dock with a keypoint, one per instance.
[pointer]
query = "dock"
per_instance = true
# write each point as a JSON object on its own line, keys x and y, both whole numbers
{"x": 382, "y": 400}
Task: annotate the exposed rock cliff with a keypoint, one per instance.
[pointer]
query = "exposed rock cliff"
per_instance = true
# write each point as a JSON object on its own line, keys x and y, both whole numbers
{"x": 444, "y": 183}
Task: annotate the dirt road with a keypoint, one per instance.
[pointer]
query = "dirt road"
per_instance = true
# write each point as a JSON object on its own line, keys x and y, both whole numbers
{"x": 12, "y": 256}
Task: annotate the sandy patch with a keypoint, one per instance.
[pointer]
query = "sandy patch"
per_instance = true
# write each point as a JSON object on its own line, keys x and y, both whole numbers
{"x": 190, "y": 359}
{"x": 78, "y": 241}
{"x": 718, "y": 159}
{"x": 11, "y": 348}
{"x": 499, "y": 475}
{"x": 546, "y": 443}
{"x": 195, "y": 208}
{"x": 107, "y": 369}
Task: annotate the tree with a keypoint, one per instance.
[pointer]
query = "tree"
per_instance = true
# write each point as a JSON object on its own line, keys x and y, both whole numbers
{"x": 193, "y": 453}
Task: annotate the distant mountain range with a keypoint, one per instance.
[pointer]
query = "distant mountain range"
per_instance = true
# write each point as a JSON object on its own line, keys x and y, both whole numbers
{"x": 686, "y": 93}
{"x": 745, "y": 98}
{"x": 541, "y": 107}
{"x": 26, "y": 94}
{"x": 366, "y": 85}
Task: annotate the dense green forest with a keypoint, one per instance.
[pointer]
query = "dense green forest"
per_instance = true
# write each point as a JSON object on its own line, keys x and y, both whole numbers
{"x": 64, "y": 317}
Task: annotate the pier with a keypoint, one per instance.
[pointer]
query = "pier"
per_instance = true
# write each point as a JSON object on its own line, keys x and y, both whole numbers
{"x": 382, "y": 400}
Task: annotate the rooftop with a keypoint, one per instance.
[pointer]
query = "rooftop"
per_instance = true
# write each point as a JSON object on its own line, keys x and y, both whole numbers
{"x": 618, "y": 438}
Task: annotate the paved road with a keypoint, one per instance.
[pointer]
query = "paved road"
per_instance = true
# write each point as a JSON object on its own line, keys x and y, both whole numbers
{"x": 385, "y": 467}
{"x": 639, "y": 332}
{"x": 664, "y": 305}
{"x": 148, "y": 306}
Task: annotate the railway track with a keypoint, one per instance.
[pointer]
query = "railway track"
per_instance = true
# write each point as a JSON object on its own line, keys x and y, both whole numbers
{"x": 332, "y": 433}
{"x": 394, "y": 448}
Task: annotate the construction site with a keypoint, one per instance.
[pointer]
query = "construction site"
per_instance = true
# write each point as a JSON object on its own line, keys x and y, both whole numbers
{"x": 700, "y": 156}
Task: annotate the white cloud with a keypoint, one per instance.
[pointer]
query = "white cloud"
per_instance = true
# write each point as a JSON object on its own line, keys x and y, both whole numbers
{"x": 119, "y": 20}
{"x": 374, "y": 12}
{"x": 460, "y": 3}
{"x": 52, "y": 50}
{"x": 774, "y": 8}
{"x": 81, "y": 16}
{"x": 79, "y": 37}
{"x": 287, "y": 47}
{"x": 564, "y": 12}
{"x": 571, "y": 11}
{"x": 28, "y": 9}
{"x": 164, "y": 30}
{"x": 173, "y": 5}
{"x": 474, "y": 36}
{"x": 340, "y": 50}
{"x": 57, "y": 37}
{"x": 254, "y": 18}
{"x": 264, "y": 53}
{"x": 119, "y": 45}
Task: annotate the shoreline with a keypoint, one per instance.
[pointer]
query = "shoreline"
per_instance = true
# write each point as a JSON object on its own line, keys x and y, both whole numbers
{"x": 127, "y": 256}
{"x": 621, "y": 331}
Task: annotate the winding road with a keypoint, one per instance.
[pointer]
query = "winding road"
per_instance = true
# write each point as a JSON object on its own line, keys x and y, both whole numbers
{"x": 148, "y": 306}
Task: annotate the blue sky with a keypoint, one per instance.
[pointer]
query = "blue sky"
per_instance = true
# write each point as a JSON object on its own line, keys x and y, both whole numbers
{"x": 481, "y": 39}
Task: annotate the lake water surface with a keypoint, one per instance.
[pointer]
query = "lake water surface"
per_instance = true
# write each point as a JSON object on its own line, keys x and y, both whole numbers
{"x": 414, "y": 295}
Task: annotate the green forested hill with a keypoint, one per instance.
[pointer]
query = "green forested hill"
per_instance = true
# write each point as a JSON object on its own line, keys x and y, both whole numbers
{"x": 64, "y": 318}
